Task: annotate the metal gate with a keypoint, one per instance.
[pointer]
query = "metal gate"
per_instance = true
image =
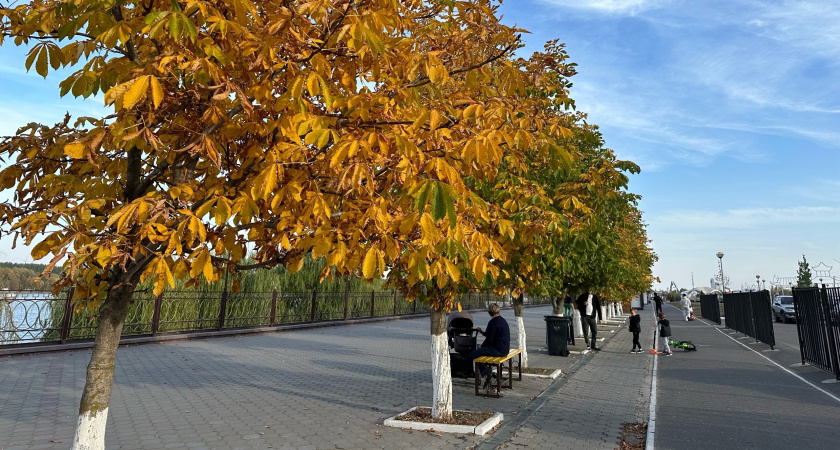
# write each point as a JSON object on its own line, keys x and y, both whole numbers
{"x": 818, "y": 326}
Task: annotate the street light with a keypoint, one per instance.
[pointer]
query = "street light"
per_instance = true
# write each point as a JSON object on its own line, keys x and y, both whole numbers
{"x": 720, "y": 266}
{"x": 757, "y": 284}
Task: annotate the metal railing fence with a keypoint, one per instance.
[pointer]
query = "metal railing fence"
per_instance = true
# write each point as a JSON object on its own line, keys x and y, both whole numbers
{"x": 33, "y": 318}
{"x": 710, "y": 307}
{"x": 750, "y": 313}
{"x": 818, "y": 327}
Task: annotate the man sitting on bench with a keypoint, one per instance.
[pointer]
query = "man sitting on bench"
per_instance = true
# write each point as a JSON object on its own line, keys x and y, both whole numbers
{"x": 496, "y": 342}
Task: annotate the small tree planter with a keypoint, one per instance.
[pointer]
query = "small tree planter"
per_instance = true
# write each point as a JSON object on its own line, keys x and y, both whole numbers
{"x": 552, "y": 375}
{"x": 480, "y": 429}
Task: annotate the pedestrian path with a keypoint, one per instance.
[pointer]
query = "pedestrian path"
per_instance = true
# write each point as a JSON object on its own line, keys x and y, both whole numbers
{"x": 319, "y": 388}
{"x": 611, "y": 388}
{"x": 736, "y": 393}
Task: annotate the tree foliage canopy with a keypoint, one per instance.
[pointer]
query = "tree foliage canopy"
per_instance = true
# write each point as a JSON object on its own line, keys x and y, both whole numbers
{"x": 356, "y": 130}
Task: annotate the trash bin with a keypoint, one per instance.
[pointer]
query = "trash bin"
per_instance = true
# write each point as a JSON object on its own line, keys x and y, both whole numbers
{"x": 557, "y": 335}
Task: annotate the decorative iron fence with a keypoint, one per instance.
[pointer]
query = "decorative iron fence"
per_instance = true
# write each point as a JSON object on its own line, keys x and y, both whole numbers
{"x": 818, "y": 326}
{"x": 710, "y": 307}
{"x": 33, "y": 318}
{"x": 750, "y": 313}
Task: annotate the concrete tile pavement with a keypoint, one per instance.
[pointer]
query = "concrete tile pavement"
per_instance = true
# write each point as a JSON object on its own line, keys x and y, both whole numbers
{"x": 607, "y": 389}
{"x": 319, "y": 388}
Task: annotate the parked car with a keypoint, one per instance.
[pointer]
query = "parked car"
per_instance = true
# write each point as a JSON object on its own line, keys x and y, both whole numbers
{"x": 783, "y": 308}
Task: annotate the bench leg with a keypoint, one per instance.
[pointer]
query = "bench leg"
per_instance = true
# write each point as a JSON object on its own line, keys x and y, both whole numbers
{"x": 477, "y": 376}
{"x": 499, "y": 380}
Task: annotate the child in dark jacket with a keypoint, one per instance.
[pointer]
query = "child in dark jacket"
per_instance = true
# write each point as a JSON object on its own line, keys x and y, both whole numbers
{"x": 664, "y": 333}
{"x": 635, "y": 327}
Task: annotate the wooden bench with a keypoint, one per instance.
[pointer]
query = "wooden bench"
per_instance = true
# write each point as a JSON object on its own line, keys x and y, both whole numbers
{"x": 499, "y": 361}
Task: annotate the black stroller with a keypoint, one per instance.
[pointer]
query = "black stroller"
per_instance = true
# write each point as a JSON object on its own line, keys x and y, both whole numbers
{"x": 462, "y": 340}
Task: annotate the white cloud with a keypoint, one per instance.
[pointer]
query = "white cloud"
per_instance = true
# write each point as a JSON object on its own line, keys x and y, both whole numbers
{"x": 628, "y": 7}
{"x": 748, "y": 218}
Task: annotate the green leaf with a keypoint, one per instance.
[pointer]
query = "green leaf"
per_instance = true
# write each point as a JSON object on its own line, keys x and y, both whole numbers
{"x": 176, "y": 26}
{"x": 438, "y": 202}
{"x": 422, "y": 197}
{"x": 153, "y": 17}
{"x": 191, "y": 31}
{"x": 450, "y": 212}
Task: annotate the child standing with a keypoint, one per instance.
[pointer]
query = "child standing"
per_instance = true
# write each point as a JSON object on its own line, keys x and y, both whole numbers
{"x": 635, "y": 327}
{"x": 664, "y": 333}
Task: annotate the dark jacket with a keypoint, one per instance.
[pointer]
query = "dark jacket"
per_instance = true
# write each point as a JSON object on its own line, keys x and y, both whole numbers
{"x": 568, "y": 299}
{"x": 596, "y": 305}
{"x": 635, "y": 323}
{"x": 664, "y": 328}
{"x": 497, "y": 335}
{"x": 658, "y": 300}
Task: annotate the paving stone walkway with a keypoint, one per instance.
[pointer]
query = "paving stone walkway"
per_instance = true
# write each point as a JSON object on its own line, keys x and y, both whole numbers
{"x": 319, "y": 388}
{"x": 610, "y": 388}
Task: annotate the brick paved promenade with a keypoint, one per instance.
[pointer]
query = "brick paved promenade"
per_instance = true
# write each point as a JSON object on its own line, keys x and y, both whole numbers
{"x": 319, "y": 388}
{"x": 332, "y": 387}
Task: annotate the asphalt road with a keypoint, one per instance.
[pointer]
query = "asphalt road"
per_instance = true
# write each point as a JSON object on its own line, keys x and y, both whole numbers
{"x": 735, "y": 393}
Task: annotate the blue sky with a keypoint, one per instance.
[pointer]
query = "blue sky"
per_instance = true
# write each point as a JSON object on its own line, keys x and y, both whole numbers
{"x": 731, "y": 108}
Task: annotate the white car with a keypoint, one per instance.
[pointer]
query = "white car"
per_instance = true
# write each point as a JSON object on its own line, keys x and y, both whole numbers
{"x": 783, "y": 308}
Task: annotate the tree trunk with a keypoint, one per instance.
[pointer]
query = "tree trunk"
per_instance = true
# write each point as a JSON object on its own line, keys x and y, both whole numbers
{"x": 93, "y": 409}
{"x": 441, "y": 371}
{"x": 556, "y": 305}
{"x": 521, "y": 342}
{"x": 576, "y": 320}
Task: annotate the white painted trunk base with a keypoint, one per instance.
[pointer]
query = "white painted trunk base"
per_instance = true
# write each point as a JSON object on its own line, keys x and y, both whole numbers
{"x": 441, "y": 377}
{"x": 521, "y": 341}
{"x": 90, "y": 431}
{"x": 576, "y": 320}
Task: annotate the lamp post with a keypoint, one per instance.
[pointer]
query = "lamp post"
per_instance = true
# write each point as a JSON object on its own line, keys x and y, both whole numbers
{"x": 720, "y": 266}
{"x": 757, "y": 284}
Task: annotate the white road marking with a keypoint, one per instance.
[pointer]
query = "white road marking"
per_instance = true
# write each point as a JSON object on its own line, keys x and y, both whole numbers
{"x": 779, "y": 366}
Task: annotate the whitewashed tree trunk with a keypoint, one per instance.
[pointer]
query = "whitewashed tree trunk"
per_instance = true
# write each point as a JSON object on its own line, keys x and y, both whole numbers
{"x": 90, "y": 430}
{"x": 520, "y": 340}
{"x": 441, "y": 370}
{"x": 576, "y": 320}
{"x": 93, "y": 408}
{"x": 603, "y": 311}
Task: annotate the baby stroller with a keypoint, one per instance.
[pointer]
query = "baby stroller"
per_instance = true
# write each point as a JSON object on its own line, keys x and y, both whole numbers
{"x": 462, "y": 340}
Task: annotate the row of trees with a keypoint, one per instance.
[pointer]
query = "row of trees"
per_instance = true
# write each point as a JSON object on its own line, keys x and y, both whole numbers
{"x": 402, "y": 140}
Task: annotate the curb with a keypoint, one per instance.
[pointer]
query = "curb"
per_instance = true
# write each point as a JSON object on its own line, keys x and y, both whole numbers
{"x": 479, "y": 430}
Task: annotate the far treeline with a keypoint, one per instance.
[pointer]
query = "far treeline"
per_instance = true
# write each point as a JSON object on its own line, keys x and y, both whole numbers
{"x": 15, "y": 276}
{"x": 415, "y": 141}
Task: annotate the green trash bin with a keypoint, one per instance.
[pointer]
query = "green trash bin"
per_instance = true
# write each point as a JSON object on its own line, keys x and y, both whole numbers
{"x": 557, "y": 335}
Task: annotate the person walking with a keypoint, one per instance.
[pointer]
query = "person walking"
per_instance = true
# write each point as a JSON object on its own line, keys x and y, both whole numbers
{"x": 589, "y": 306}
{"x": 685, "y": 302}
{"x": 657, "y": 300}
{"x": 635, "y": 327}
{"x": 664, "y": 333}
